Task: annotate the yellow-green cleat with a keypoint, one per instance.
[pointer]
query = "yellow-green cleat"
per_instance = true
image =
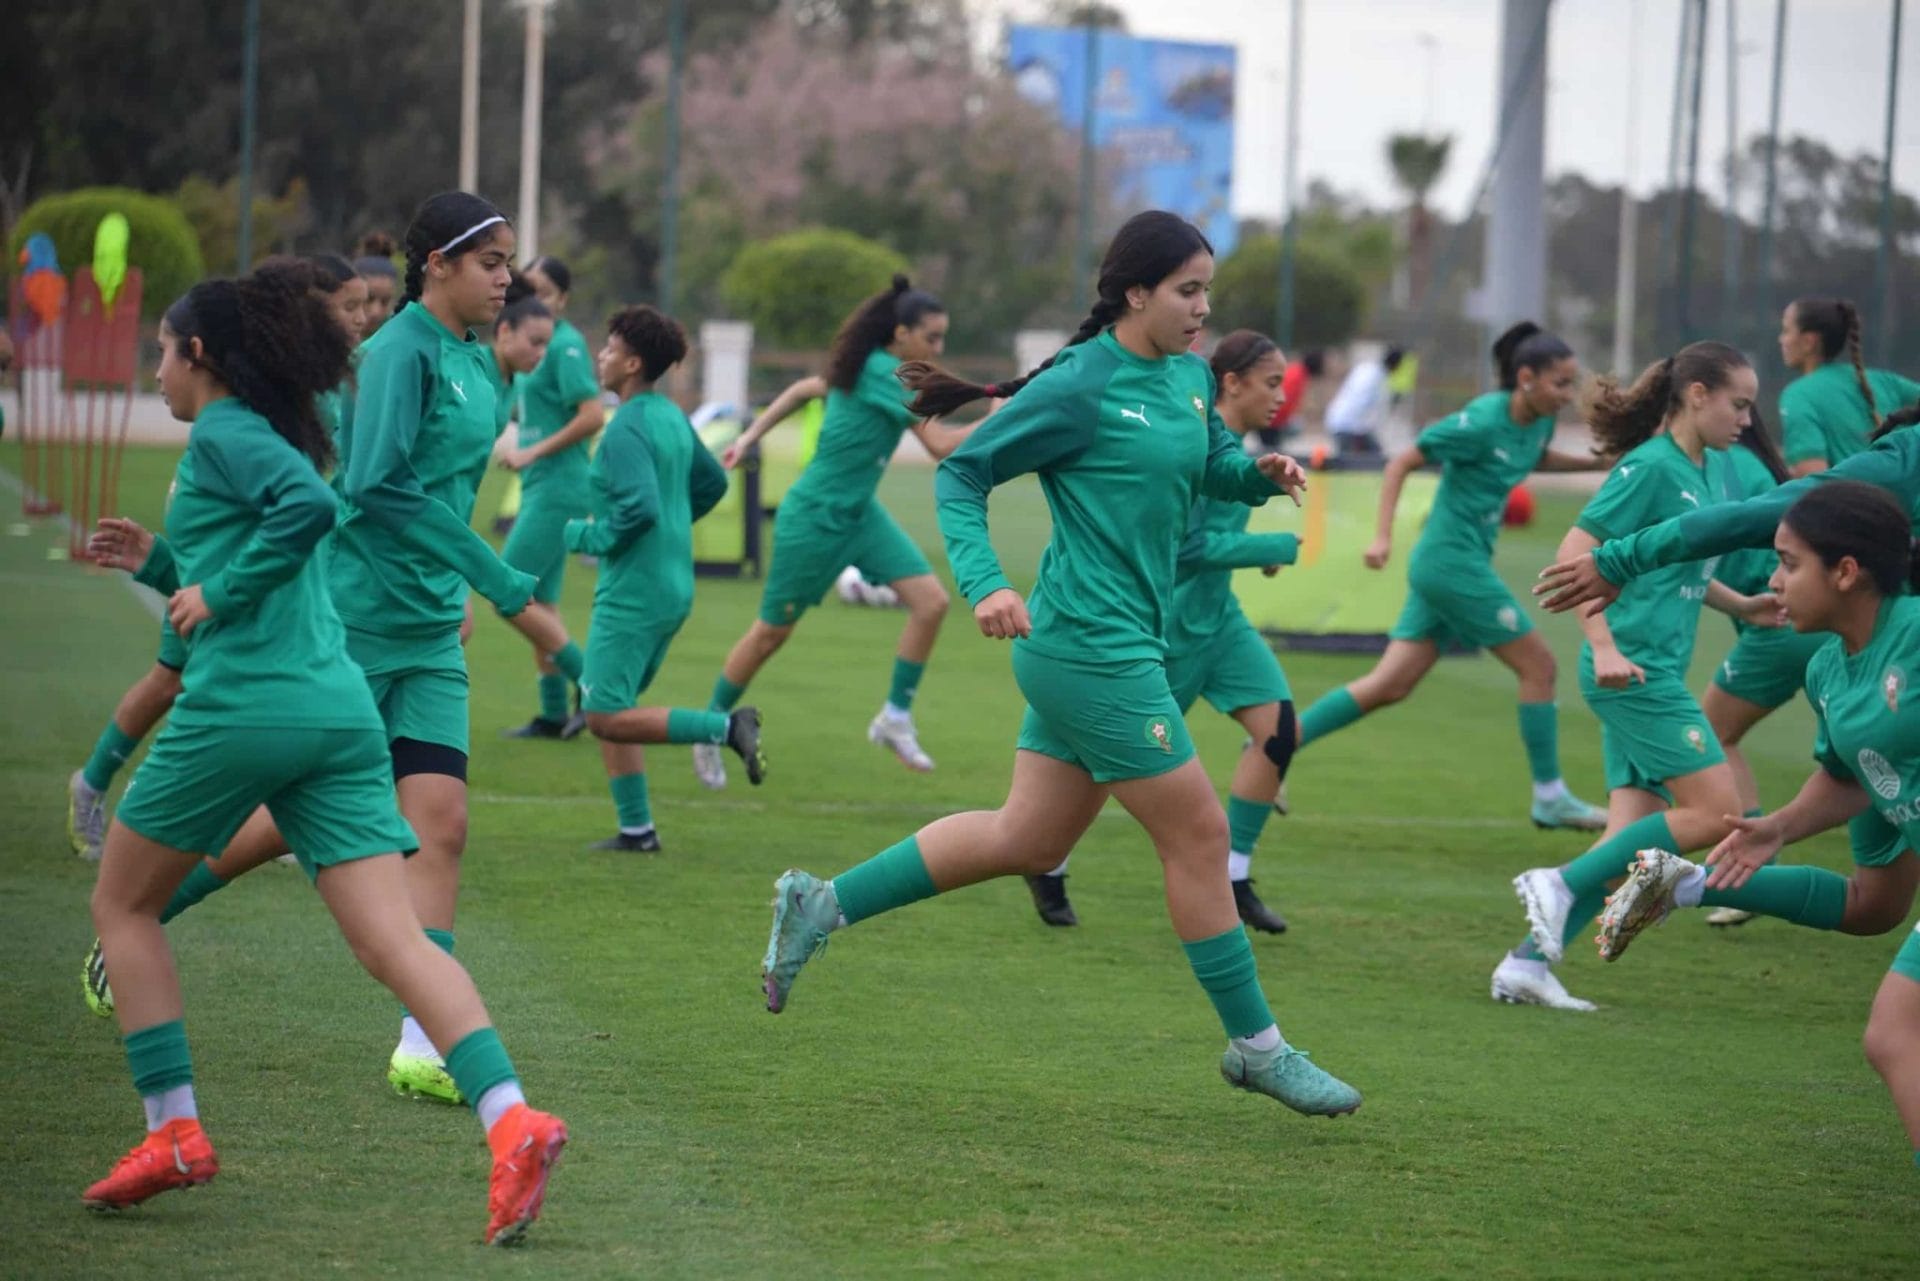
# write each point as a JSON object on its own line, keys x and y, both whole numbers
{"x": 415, "y": 1077}
{"x": 93, "y": 980}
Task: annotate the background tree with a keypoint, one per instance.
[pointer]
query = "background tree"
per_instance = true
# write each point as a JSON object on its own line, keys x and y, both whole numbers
{"x": 1418, "y": 162}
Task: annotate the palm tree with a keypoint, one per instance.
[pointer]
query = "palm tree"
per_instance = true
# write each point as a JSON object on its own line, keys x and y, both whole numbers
{"x": 1417, "y": 162}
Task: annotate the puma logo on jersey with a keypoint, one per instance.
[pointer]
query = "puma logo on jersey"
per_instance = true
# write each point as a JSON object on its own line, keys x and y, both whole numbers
{"x": 1140, "y": 414}
{"x": 1688, "y": 495}
{"x": 458, "y": 390}
{"x": 1501, "y": 454}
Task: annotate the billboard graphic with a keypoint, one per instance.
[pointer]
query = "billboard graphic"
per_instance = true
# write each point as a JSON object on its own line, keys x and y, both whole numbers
{"x": 1164, "y": 106}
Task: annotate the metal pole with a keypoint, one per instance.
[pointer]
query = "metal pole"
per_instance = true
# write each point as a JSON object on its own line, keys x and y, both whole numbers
{"x": 249, "y": 111}
{"x": 1626, "y": 270}
{"x": 1090, "y": 88}
{"x": 1670, "y": 216}
{"x": 1731, "y": 322}
{"x": 1684, "y": 288}
{"x": 1290, "y": 186}
{"x": 1763, "y": 270}
{"x": 670, "y": 178}
{"x": 533, "y": 90}
{"x": 470, "y": 97}
{"x": 1883, "y": 259}
{"x": 1516, "y": 240}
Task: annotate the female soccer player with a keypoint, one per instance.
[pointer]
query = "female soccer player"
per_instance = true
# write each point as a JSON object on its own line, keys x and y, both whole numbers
{"x": 1831, "y": 411}
{"x": 149, "y": 698}
{"x": 272, "y": 712}
{"x": 1453, "y": 595}
{"x": 830, "y": 518}
{"x": 1846, "y": 567}
{"x": 1213, "y": 651}
{"x": 402, "y": 561}
{"x": 1120, "y": 428}
{"x": 521, "y": 335}
{"x": 652, "y": 478}
{"x": 374, "y": 261}
{"x": 1668, "y": 783}
{"x": 559, "y": 416}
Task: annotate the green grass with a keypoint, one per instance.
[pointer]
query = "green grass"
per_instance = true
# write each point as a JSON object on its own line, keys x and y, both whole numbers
{"x": 956, "y": 1089}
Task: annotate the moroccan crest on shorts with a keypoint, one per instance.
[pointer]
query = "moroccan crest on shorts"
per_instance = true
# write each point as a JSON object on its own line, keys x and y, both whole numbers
{"x": 1160, "y": 733}
{"x": 1696, "y": 740}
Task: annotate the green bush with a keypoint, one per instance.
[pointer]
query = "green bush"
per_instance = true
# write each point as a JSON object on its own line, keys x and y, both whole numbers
{"x": 1329, "y": 294}
{"x": 797, "y": 288}
{"x": 161, "y": 242}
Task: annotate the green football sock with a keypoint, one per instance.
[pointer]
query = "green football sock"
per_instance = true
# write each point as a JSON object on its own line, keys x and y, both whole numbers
{"x": 553, "y": 697}
{"x": 684, "y": 726}
{"x": 630, "y": 801}
{"x": 1329, "y": 713}
{"x": 1809, "y": 896}
{"x": 442, "y": 939}
{"x": 157, "y": 1055}
{"x": 906, "y": 679}
{"x": 1225, "y": 967}
{"x": 1611, "y": 858}
{"x": 894, "y": 877}
{"x": 1245, "y": 821}
{"x": 110, "y": 752}
{"x": 200, "y": 882}
{"x": 1540, "y": 731}
{"x": 570, "y": 661}
{"x": 725, "y": 695}
{"x": 478, "y": 1062}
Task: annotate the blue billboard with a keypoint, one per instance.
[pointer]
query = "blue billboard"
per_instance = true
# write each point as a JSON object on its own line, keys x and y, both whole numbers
{"x": 1164, "y": 107}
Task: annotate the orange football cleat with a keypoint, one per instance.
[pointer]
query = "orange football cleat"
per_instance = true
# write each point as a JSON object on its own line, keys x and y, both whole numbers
{"x": 177, "y": 1155}
{"x": 525, "y": 1146}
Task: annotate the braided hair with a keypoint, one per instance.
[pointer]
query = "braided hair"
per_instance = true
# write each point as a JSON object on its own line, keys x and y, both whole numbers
{"x": 1147, "y": 249}
{"x": 1837, "y": 322}
{"x": 871, "y": 327}
{"x": 449, "y": 224}
{"x": 271, "y": 341}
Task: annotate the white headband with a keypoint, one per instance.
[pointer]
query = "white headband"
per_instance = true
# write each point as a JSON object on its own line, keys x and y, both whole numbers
{"x": 470, "y": 233}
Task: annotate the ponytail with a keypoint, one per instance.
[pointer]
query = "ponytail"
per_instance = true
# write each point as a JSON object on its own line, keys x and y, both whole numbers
{"x": 871, "y": 327}
{"x": 1852, "y": 315}
{"x": 1526, "y": 346}
{"x": 449, "y": 224}
{"x": 1836, "y": 321}
{"x": 1899, "y": 418}
{"x": 1623, "y": 418}
{"x": 1147, "y": 249}
{"x": 1759, "y": 442}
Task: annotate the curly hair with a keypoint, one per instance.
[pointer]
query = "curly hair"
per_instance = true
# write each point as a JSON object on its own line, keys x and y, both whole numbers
{"x": 652, "y": 335}
{"x": 272, "y": 342}
{"x": 1625, "y": 417}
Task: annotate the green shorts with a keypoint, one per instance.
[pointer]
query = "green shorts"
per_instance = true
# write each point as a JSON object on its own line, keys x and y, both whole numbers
{"x": 623, "y": 657}
{"x": 1236, "y": 669}
{"x": 1650, "y": 733}
{"x": 330, "y": 791}
{"x": 1875, "y": 841}
{"x": 537, "y": 544}
{"x": 1460, "y": 605}
{"x": 173, "y": 650}
{"x": 1116, "y": 721}
{"x": 1906, "y": 962}
{"x": 419, "y": 683}
{"x": 810, "y": 550}
{"x": 1768, "y": 665}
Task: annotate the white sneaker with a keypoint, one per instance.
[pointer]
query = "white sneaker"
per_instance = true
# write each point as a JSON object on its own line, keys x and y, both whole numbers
{"x": 1722, "y": 917}
{"x": 1520, "y": 982}
{"x": 1544, "y": 893}
{"x": 882, "y": 596}
{"x": 708, "y": 765}
{"x": 86, "y": 817}
{"x": 1643, "y": 899}
{"x": 850, "y": 587}
{"x": 896, "y": 733}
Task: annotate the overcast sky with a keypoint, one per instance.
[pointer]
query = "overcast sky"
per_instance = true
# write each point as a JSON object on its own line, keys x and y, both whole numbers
{"x": 1378, "y": 67}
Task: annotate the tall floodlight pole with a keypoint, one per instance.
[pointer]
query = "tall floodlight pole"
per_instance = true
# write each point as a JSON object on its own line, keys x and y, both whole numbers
{"x": 249, "y": 112}
{"x": 533, "y": 91}
{"x": 470, "y": 97}
{"x": 1626, "y": 271}
{"x": 1730, "y": 319}
{"x": 670, "y": 178}
{"x": 1883, "y": 260}
{"x": 1763, "y": 270}
{"x": 1289, "y": 186}
{"x": 1670, "y": 217}
{"x": 1698, "y": 77}
{"x": 1090, "y": 94}
{"x": 1516, "y": 240}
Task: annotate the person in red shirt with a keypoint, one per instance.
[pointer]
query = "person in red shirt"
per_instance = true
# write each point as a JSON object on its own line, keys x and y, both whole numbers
{"x": 1293, "y": 393}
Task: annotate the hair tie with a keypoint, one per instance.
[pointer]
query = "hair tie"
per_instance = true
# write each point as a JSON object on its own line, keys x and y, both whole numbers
{"x": 992, "y": 390}
{"x": 470, "y": 233}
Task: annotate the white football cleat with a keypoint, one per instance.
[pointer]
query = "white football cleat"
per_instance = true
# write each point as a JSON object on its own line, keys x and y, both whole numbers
{"x": 896, "y": 734}
{"x": 709, "y": 766}
{"x": 1723, "y": 917}
{"x": 1544, "y": 893}
{"x": 1643, "y": 899}
{"x": 1520, "y": 982}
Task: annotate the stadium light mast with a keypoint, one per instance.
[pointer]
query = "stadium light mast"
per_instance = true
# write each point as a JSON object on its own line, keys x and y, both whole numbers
{"x": 533, "y": 91}
{"x": 1516, "y": 243}
{"x": 470, "y": 97}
